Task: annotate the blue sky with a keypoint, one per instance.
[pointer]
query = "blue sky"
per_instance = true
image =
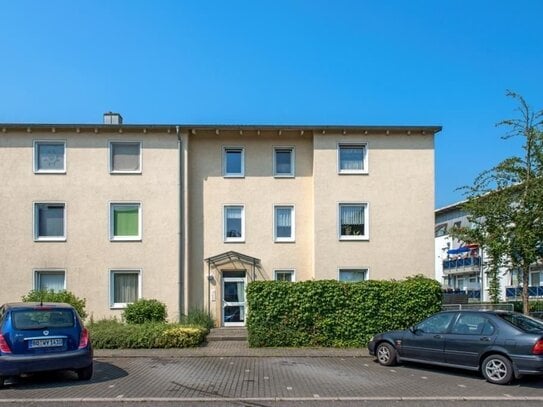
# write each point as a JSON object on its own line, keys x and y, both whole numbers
{"x": 413, "y": 62}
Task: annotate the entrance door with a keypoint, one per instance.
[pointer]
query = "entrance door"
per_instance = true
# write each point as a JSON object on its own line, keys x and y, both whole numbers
{"x": 233, "y": 301}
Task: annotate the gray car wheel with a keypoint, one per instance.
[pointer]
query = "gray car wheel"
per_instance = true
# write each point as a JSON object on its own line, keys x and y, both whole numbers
{"x": 386, "y": 354}
{"x": 497, "y": 369}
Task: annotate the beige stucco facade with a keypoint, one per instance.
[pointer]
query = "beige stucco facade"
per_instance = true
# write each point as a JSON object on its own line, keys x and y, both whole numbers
{"x": 397, "y": 190}
{"x": 87, "y": 255}
{"x": 183, "y": 191}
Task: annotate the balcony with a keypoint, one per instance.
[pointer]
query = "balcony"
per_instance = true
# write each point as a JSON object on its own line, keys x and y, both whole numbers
{"x": 462, "y": 265}
{"x": 516, "y": 292}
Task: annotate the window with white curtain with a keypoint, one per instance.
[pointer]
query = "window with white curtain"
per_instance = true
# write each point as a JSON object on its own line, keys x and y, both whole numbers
{"x": 125, "y": 287}
{"x": 50, "y": 156}
{"x": 352, "y": 159}
{"x": 353, "y": 221}
{"x": 234, "y": 223}
{"x": 50, "y": 280}
{"x": 283, "y": 161}
{"x": 49, "y": 221}
{"x": 349, "y": 275}
{"x": 125, "y": 157}
{"x": 284, "y": 223}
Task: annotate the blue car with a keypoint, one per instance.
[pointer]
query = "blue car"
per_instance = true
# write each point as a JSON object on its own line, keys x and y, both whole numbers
{"x": 501, "y": 345}
{"x": 38, "y": 337}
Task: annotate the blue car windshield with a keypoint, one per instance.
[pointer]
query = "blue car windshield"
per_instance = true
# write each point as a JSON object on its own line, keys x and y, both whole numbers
{"x": 523, "y": 322}
{"x": 42, "y": 318}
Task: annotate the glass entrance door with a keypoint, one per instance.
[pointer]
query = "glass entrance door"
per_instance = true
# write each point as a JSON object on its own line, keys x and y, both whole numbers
{"x": 233, "y": 301}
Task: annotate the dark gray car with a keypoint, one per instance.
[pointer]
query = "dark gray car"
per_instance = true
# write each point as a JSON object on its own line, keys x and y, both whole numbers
{"x": 502, "y": 345}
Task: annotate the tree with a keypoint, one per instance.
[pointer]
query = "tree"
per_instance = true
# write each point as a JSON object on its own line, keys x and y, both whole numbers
{"x": 505, "y": 204}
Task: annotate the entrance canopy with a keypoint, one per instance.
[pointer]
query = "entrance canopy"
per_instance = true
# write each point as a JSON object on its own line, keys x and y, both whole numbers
{"x": 233, "y": 258}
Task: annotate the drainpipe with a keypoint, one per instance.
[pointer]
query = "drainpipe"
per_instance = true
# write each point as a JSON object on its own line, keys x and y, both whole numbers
{"x": 181, "y": 225}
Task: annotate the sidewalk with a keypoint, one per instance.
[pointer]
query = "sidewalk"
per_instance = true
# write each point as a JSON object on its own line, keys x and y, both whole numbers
{"x": 232, "y": 349}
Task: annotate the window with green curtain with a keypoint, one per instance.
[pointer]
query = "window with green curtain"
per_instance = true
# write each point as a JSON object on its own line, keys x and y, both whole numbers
{"x": 126, "y": 220}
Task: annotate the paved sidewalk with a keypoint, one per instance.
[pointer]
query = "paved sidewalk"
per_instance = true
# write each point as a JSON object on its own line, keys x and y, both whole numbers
{"x": 233, "y": 349}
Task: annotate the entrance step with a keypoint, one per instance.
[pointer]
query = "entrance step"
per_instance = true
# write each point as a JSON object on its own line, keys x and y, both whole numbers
{"x": 227, "y": 334}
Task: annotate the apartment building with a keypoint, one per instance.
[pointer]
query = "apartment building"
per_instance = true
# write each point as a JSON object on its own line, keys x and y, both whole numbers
{"x": 461, "y": 268}
{"x": 191, "y": 214}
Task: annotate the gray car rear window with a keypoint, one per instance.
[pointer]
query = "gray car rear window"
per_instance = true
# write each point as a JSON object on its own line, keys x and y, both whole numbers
{"x": 523, "y": 322}
{"x": 41, "y": 319}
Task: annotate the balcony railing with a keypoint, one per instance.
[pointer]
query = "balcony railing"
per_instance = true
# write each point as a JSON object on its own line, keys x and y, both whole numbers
{"x": 461, "y": 262}
{"x": 514, "y": 292}
{"x": 462, "y": 265}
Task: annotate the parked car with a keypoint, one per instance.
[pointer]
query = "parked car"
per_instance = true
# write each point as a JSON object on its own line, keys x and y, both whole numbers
{"x": 37, "y": 337}
{"x": 502, "y": 345}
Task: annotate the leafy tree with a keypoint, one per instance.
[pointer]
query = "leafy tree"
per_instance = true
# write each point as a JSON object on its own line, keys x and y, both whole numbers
{"x": 505, "y": 204}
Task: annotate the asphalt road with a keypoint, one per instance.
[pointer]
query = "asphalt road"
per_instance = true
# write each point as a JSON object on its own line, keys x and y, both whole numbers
{"x": 266, "y": 381}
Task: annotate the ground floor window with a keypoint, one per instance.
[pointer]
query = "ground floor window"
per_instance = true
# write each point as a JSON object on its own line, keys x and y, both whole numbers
{"x": 352, "y": 275}
{"x": 50, "y": 280}
{"x": 284, "y": 275}
{"x": 125, "y": 287}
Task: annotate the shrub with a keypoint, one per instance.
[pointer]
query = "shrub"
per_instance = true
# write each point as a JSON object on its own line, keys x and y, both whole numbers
{"x": 58, "y": 296}
{"x": 112, "y": 334}
{"x": 198, "y": 317}
{"x": 145, "y": 310}
{"x": 332, "y": 313}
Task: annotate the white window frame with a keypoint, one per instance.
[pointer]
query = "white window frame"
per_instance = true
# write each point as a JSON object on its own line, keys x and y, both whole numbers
{"x": 285, "y": 270}
{"x": 35, "y": 159}
{"x": 112, "y": 272}
{"x": 224, "y": 162}
{"x": 292, "y": 173}
{"x": 113, "y": 171}
{"x": 114, "y": 238}
{"x": 366, "y": 271}
{"x": 226, "y": 238}
{"x": 366, "y": 234}
{"x": 364, "y": 169}
{"x": 35, "y": 222}
{"x": 39, "y": 271}
{"x": 292, "y": 238}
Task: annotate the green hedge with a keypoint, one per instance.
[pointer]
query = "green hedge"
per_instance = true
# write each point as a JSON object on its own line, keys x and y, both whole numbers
{"x": 145, "y": 310}
{"x": 111, "y": 334}
{"x": 335, "y": 314}
{"x": 58, "y": 296}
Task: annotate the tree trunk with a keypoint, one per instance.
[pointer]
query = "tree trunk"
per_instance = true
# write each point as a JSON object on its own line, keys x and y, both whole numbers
{"x": 525, "y": 282}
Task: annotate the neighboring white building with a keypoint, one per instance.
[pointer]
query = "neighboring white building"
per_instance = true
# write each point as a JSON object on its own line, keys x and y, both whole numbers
{"x": 461, "y": 270}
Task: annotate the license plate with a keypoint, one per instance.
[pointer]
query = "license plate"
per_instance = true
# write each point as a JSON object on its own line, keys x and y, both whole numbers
{"x": 45, "y": 343}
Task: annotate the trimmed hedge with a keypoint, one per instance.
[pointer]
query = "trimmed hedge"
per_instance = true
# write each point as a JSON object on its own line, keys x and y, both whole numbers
{"x": 111, "y": 334}
{"x": 335, "y": 314}
{"x": 145, "y": 310}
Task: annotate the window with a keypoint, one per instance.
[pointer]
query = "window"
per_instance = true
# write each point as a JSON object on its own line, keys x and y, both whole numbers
{"x": 50, "y": 156}
{"x": 472, "y": 324}
{"x": 284, "y": 223}
{"x": 352, "y": 275}
{"x": 234, "y": 223}
{"x": 441, "y": 230}
{"x": 353, "y": 221}
{"x": 49, "y": 223}
{"x": 352, "y": 159}
{"x": 234, "y": 163}
{"x": 284, "y": 275}
{"x": 47, "y": 280}
{"x": 436, "y": 324}
{"x": 283, "y": 162}
{"x": 125, "y": 157}
{"x": 125, "y": 221}
{"x": 125, "y": 287}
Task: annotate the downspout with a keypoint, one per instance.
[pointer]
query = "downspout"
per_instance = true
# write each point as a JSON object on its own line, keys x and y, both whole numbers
{"x": 181, "y": 281}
